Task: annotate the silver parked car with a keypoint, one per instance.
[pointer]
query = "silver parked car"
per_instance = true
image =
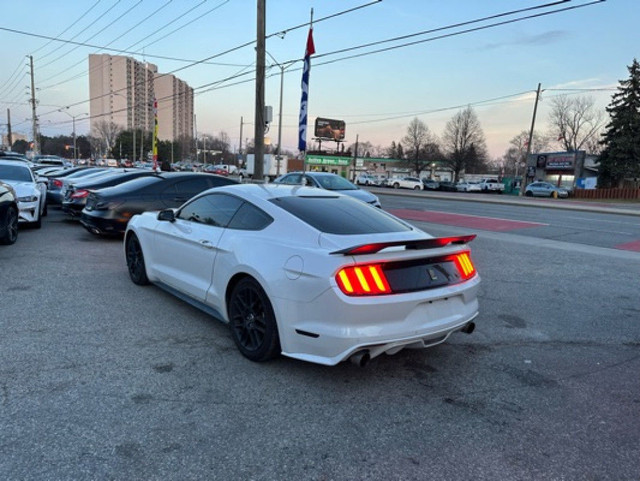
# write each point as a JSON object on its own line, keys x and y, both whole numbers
{"x": 545, "y": 189}
{"x": 327, "y": 181}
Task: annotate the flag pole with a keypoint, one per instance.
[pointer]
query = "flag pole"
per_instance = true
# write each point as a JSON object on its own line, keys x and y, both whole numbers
{"x": 304, "y": 100}
{"x": 155, "y": 135}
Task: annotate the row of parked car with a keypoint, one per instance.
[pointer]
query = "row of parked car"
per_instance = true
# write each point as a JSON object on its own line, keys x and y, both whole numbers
{"x": 416, "y": 183}
{"x": 538, "y": 188}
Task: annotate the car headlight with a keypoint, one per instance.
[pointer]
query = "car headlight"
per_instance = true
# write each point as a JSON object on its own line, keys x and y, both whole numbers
{"x": 28, "y": 198}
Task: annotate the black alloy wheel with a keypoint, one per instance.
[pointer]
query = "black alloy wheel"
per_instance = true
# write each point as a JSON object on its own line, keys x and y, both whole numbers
{"x": 528, "y": 193}
{"x": 253, "y": 323}
{"x": 11, "y": 220}
{"x": 135, "y": 261}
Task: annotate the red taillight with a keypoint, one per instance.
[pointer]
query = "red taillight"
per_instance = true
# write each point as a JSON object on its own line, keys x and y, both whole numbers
{"x": 57, "y": 183}
{"x": 80, "y": 194}
{"x": 464, "y": 265}
{"x": 363, "y": 280}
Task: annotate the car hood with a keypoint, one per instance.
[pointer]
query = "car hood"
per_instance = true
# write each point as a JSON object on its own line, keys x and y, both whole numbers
{"x": 22, "y": 188}
{"x": 359, "y": 194}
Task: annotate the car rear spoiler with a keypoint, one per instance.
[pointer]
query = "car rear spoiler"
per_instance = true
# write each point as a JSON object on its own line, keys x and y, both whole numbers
{"x": 409, "y": 244}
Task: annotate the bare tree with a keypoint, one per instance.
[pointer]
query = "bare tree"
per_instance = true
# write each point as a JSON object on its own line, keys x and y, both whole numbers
{"x": 576, "y": 122}
{"x": 513, "y": 160}
{"x": 107, "y": 133}
{"x": 464, "y": 143}
{"x": 416, "y": 143}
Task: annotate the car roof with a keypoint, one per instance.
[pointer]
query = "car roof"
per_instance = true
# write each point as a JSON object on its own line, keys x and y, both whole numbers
{"x": 13, "y": 162}
{"x": 273, "y": 191}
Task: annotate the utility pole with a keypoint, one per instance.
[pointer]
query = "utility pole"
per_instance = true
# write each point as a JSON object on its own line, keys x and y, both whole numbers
{"x": 279, "y": 151}
{"x": 75, "y": 146}
{"x": 355, "y": 158}
{"x": 523, "y": 184}
{"x": 9, "y": 136}
{"x": 195, "y": 134}
{"x": 34, "y": 117}
{"x": 240, "y": 147}
{"x": 258, "y": 171}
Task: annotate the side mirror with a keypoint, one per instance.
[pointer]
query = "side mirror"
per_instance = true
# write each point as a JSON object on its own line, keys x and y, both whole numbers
{"x": 167, "y": 215}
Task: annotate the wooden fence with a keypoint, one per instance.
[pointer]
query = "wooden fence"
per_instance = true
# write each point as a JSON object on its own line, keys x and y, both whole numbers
{"x": 622, "y": 194}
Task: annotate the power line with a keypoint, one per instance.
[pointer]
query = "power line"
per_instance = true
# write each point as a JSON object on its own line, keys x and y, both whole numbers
{"x": 112, "y": 41}
{"x": 83, "y": 74}
{"x": 439, "y": 37}
{"x": 198, "y": 62}
{"x": 15, "y": 72}
{"x": 447, "y": 27}
{"x": 95, "y": 34}
{"x": 69, "y": 27}
{"x": 454, "y": 34}
{"x": 71, "y": 40}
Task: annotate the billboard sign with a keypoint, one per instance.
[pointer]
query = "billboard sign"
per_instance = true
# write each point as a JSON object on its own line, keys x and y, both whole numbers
{"x": 329, "y": 129}
{"x": 560, "y": 161}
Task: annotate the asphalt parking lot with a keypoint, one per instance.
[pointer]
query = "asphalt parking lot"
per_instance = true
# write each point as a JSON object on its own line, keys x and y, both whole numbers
{"x": 102, "y": 379}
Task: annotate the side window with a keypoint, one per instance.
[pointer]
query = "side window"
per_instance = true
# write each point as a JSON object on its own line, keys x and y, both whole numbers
{"x": 292, "y": 179}
{"x": 320, "y": 182}
{"x": 249, "y": 217}
{"x": 213, "y": 209}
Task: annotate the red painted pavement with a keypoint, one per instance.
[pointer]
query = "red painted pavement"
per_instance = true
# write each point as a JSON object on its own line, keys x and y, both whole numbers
{"x": 630, "y": 246}
{"x": 460, "y": 220}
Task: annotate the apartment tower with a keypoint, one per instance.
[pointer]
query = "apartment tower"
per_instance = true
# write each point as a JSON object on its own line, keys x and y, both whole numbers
{"x": 122, "y": 91}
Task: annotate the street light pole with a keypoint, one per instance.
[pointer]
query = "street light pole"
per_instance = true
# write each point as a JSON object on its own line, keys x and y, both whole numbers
{"x": 279, "y": 150}
{"x": 73, "y": 117}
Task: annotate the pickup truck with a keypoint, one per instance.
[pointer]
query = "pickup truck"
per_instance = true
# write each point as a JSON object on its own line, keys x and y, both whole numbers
{"x": 491, "y": 185}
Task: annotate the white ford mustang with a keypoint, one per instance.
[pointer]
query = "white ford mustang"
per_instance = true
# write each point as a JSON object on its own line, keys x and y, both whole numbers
{"x": 30, "y": 189}
{"x": 306, "y": 273}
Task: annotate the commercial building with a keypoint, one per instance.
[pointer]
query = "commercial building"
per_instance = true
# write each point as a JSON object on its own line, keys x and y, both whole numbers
{"x": 122, "y": 91}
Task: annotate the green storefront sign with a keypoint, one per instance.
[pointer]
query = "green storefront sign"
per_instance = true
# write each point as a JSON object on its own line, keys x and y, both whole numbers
{"x": 314, "y": 159}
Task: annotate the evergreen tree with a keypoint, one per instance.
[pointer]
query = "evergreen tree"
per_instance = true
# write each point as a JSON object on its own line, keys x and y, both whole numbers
{"x": 621, "y": 155}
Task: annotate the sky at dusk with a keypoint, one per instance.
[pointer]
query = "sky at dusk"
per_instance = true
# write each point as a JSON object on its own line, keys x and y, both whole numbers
{"x": 432, "y": 69}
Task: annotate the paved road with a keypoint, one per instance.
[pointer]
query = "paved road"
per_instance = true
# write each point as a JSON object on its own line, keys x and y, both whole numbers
{"x": 612, "y": 227}
{"x": 102, "y": 379}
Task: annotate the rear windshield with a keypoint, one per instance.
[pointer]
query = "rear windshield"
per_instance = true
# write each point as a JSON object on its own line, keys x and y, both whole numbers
{"x": 19, "y": 173}
{"x": 340, "y": 215}
{"x": 135, "y": 184}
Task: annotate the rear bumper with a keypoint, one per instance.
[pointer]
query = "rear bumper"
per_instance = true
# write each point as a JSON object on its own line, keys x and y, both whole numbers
{"x": 72, "y": 208}
{"x": 331, "y": 329}
{"x": 102, "y": 226}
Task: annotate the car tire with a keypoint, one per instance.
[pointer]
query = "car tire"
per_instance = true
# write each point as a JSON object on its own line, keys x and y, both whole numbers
{"x": 135, "y": 261}
{"x": 396, "y": 185}
{"x": 417, "y": 187}
{"x": 528, "y": 193}
{"x": 45, "y": 212}
{"x": 11, "y": 234}
{"x": 253, "y": 323}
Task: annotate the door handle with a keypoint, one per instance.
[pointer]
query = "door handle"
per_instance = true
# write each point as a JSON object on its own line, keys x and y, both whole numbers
{"x": 206, "y": 243}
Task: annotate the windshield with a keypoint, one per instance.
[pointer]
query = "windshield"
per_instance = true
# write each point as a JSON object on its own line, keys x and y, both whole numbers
{"x": 15, "y": 172}
{"x": 334, "y": 182}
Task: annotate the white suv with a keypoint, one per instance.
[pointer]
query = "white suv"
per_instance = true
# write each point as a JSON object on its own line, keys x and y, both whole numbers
{"x": 405, "y": 183}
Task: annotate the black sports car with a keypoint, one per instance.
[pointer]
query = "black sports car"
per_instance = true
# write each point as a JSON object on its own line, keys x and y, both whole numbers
{"x": 76, "y": 195}
{"x": 108, "y": 210}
